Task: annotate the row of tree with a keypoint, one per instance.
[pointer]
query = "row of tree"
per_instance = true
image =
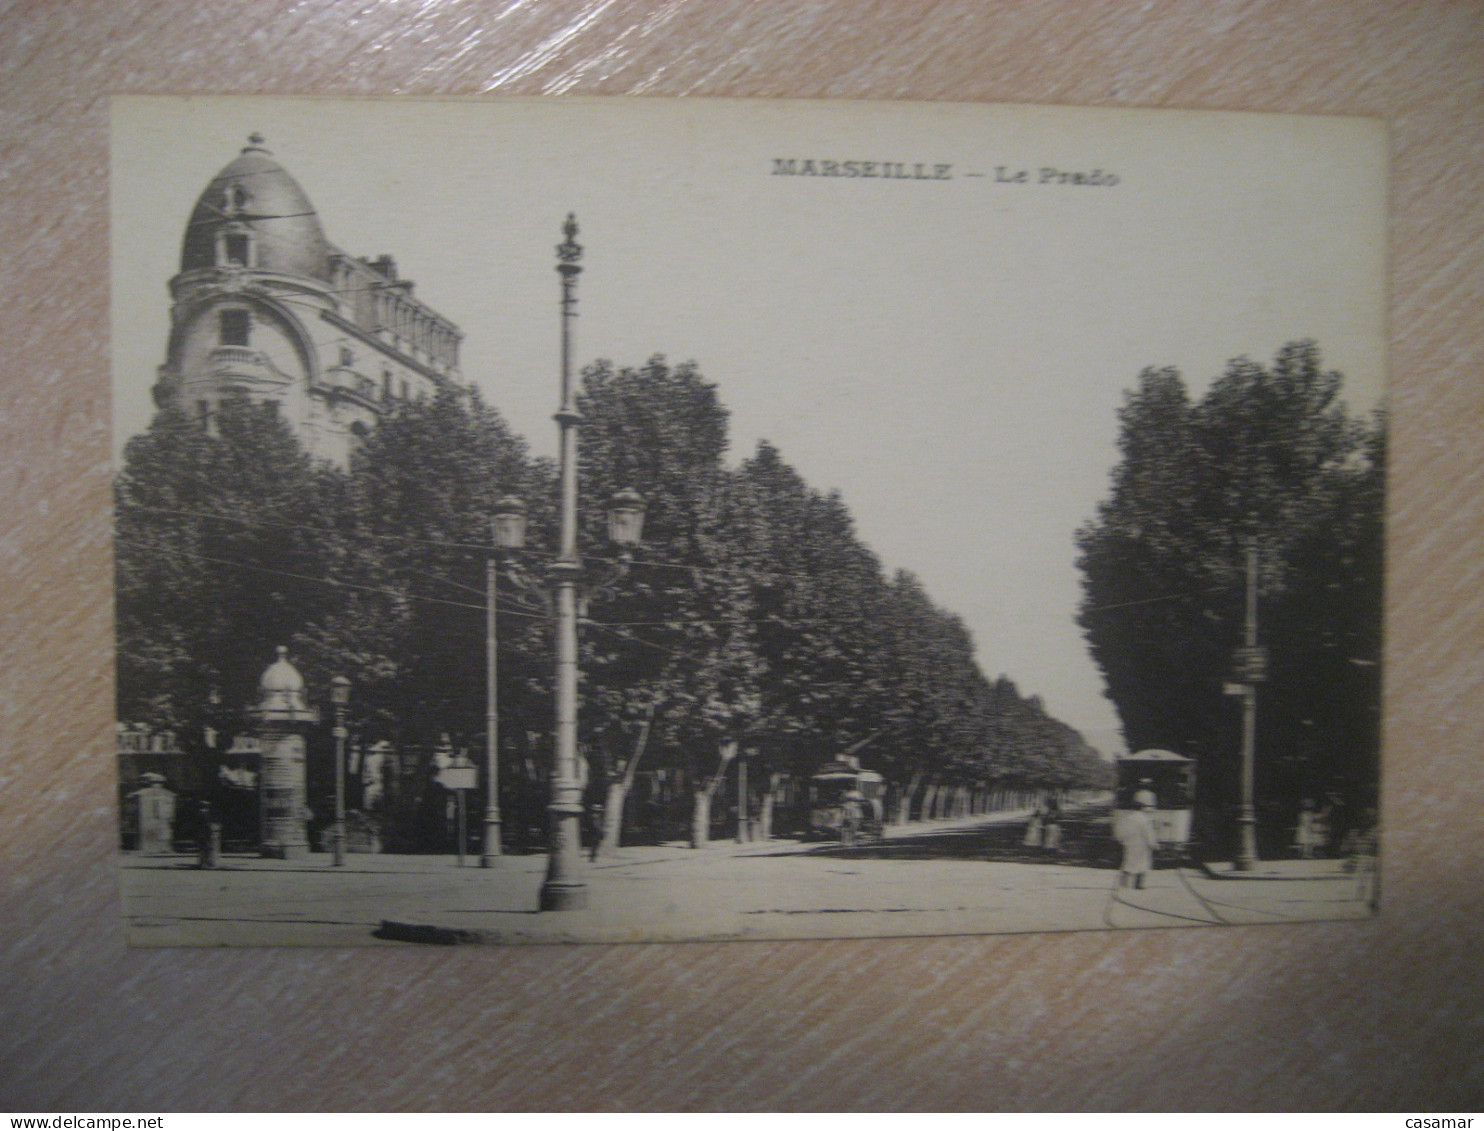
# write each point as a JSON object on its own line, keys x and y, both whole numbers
{"x": 755, "y": 620}
{"x": 1271, "y": 454}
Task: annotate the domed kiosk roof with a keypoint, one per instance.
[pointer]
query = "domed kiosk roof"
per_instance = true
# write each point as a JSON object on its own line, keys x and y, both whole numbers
{"x": 281, "y": 676}
{"x": 282, "y": 688}
{"x": 1154, "y": 756}
{"x": 256, "y": 193}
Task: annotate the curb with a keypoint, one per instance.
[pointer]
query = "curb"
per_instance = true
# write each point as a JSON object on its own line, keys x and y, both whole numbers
{"x": 429, "y": 935}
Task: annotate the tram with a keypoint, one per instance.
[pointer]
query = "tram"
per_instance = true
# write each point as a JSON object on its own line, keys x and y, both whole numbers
{"x": 1167, "y": 780}
{"x": 837, "y": 783}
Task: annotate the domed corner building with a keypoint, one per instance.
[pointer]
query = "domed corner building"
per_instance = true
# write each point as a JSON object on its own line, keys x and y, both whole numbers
{"x": 266, "y": 306}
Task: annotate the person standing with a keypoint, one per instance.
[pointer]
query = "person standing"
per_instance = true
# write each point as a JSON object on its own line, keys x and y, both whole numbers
{"x": 850, "y": 817}
{"x": 1146, "y": 795}
{"x": 1051, "y": 827}
{"x": 208, "y": 835}
{"x": 1032, "y": 838}
{"x": 1306, "y": 834}
{"x": 156, "y": 806}
{"x": 1136, "y": 834}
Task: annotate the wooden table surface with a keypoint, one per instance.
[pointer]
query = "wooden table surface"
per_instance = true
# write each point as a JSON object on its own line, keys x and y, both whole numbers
{"x": 1387, "y": 1014}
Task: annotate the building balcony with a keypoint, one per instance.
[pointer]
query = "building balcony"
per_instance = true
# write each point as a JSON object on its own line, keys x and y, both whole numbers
{"x": 347, "y": 383}
{"x": 242, "y": 362}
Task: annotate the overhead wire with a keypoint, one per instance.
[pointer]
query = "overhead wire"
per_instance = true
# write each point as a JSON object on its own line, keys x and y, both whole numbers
{"x": 333, "y": 582}
{"x": 503, "y": 602}
{"x": 695, "y": 570}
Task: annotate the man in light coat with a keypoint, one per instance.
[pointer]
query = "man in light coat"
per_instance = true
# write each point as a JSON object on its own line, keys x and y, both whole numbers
{"x": 1136, "y": 834}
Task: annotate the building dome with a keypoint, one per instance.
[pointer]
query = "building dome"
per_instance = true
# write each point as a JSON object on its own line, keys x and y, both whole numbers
{"x": 253, "y": 196}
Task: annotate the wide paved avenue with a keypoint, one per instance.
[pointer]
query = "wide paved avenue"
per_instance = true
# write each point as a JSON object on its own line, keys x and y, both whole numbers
{"x": 958, "y": 877}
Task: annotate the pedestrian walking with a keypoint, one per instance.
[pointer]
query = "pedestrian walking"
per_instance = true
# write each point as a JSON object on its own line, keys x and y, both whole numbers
{"x": 594, "y": 821}
{"x": 1136, "y": 834}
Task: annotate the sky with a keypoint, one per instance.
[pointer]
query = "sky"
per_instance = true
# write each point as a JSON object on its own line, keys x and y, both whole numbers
{"x": 947, "y": 347}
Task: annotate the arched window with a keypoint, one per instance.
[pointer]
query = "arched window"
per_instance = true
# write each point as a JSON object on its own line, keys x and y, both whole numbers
{"x": 234, "y": 246}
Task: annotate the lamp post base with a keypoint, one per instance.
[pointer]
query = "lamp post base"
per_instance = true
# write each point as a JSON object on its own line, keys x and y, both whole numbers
{"x": 563, "y": 897}
{"x": 1246, "y": 860}
{"x": 492, "y": 853}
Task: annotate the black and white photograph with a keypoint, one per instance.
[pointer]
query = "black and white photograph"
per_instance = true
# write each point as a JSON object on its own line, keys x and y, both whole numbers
{"x": 632, "y": 520}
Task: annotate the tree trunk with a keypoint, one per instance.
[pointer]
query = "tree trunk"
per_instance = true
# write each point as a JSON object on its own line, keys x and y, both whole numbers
{"x": 613, "y": 803}
{"x": 930, "y": 801}
{"x": 744, "y": 833}
{"x": 618, "y": 789}
{"x": 700, "y": 818}
{"x": 765, "y": 813}
{"x": 904, "y": 802}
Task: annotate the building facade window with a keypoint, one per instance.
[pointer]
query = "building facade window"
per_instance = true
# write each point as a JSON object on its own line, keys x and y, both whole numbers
{"x": 236, "y": 327}
{"x": 236, "y": 248}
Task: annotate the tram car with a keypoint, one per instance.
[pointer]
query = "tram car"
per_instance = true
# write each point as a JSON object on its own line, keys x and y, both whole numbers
{"x": 1165, "y": 779}
{"x": 833, "y": 787}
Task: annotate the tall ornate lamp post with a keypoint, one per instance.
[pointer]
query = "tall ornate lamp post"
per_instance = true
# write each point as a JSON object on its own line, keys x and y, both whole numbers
{"x": 340, "y": 697}
{"x": 509, "y": 529}
{"x": 1252, "y": 664}
{"x": 563, "y": 890}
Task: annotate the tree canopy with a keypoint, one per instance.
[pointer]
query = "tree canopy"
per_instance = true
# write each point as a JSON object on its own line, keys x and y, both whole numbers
{"x": 755, "y": 618}
{"x": 1270, "y": 454}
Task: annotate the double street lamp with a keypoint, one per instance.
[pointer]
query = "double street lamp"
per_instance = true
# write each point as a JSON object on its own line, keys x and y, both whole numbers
{"x": 565, "y": 575}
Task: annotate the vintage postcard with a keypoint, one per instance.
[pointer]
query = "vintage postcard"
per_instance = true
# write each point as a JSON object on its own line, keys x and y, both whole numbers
{"x": 601, "y": 520}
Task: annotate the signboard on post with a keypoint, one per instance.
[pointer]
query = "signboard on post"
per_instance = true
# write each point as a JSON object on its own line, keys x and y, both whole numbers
{"x": 459, "y": 777}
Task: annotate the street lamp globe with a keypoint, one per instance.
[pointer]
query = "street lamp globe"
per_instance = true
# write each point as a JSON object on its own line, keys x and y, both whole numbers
{"x": 510, "y": 523}
{"x": 340, "y": 691}
{"x": 626, "y": 517}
